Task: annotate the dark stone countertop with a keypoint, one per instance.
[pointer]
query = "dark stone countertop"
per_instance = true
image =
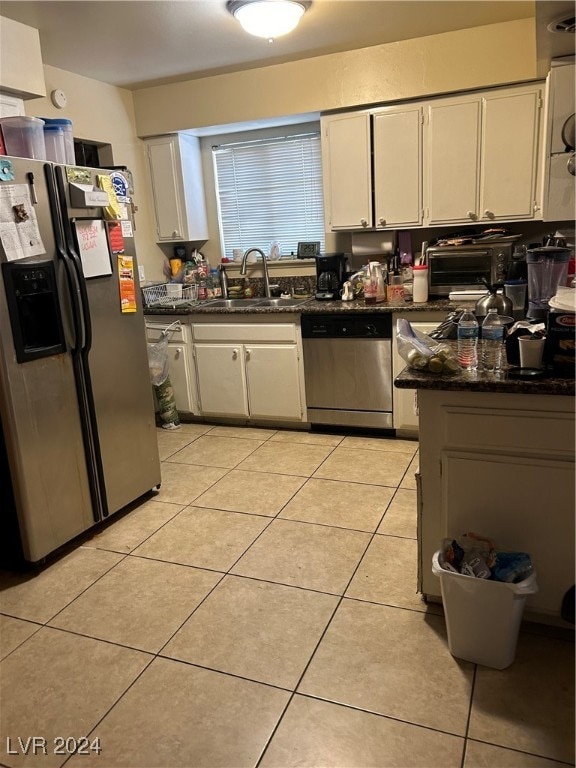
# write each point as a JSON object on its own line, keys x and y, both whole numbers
{"x": 481, "y": 381}
{"x": 309, "y": 306}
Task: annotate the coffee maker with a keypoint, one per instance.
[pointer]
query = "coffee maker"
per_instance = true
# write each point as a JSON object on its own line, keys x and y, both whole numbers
{"x": 329, "y": 276}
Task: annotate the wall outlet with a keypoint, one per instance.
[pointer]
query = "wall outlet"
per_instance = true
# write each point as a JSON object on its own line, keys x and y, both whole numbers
{"x": 141, "y": 274}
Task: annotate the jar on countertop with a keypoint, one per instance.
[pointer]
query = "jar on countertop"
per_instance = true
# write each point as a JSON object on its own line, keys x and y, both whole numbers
{"x": 420, "y": 284}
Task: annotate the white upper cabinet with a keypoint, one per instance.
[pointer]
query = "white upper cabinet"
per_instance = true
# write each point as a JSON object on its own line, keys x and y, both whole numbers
{"x": 397, "y": 133}
{"x": 452, "y": 160}
{"x": 347, "y": 171}
{"x": 455, "y": 160}
{"x": 509, "y": 171}
{"x": 177, "y": 188}
{"x": 481, "y": 159}
{"x": 21, "y": 71}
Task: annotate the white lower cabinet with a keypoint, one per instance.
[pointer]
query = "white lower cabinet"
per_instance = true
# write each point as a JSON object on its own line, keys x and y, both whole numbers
{"x": 249, "y": 371}
{"x": 273, "y": 381}
{"x": 180, "y": 363}
{"x": 221, "y": 378}
{"x": 405, "y": 402}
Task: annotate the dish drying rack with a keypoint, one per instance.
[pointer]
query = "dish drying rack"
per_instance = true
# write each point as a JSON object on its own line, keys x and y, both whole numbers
{"x": 157, "y": 296}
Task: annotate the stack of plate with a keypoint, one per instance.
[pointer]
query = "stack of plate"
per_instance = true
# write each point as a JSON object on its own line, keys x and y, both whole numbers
{"x": 565, "y": 300}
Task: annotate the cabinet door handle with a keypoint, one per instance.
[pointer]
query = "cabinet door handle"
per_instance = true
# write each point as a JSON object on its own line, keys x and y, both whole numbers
{"x": 364, "y": 222}
{"x": 234, "y": 354}
{"x": 175, "y": 233}
{"x": 382, "y": 221}
{"x": 488, "y": 214}
{"x": 177, "y": 352}
{"x": 247, "y": 354}
{"x": 471, "y": 215}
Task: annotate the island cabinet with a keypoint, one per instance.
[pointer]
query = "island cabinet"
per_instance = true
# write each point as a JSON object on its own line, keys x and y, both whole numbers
{"x": 501, "y": 465}
{"x": 482, "y": 157}
{"x": 177, "y": 188}
{"x": 249, "y": 370}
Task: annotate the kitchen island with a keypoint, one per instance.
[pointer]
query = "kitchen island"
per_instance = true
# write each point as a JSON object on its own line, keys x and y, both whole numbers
{"x": 497, "y": 458}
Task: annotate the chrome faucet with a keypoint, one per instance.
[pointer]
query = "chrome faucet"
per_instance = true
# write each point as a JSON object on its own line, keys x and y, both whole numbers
{"x": 264, "y": 267}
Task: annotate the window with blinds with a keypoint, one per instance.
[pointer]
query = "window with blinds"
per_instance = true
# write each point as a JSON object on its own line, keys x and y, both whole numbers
{"x": 270, "y": 189}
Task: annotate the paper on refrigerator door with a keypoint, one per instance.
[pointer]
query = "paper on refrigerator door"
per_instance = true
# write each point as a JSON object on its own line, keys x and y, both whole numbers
{"x": 19, "y": 231}
{"x": 127, "y": 284}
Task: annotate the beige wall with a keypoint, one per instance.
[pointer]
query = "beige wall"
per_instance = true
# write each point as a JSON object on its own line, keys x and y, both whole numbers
{"x": 104, "y": 113}
{"x": 473, "y": 58}
{"x": 453, "y": 61}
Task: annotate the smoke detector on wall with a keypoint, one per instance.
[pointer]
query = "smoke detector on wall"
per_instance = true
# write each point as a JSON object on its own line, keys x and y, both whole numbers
{"x": 562, "y": 24}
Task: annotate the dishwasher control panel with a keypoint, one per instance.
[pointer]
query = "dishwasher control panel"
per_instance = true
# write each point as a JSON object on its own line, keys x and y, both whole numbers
{"x": 353, "y": 326}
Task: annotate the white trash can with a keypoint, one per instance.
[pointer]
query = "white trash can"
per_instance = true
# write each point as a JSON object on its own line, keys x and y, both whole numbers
{"x": 482, "y": 616}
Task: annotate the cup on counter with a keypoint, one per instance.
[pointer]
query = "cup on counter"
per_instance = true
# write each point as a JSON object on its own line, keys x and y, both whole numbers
{"x": 515, "y": 290}
{"x": 531, "y": 351}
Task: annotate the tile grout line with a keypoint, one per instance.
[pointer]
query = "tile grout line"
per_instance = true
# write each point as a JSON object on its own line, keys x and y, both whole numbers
{"x": 338, "y": 604}
{"x": 38, "y": 628}
{"x": 469, "y": 717}
{"x": 322, "y": 635}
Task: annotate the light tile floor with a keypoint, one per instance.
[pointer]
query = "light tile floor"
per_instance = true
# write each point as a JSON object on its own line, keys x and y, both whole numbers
{"x": 261, "y": 610}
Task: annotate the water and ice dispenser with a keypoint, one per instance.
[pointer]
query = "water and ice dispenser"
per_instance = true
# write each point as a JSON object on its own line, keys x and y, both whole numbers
{"x": 34, "y": 309}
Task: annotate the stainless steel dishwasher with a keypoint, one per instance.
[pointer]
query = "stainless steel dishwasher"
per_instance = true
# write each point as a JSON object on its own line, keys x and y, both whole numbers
{"x": 348, "y": 369}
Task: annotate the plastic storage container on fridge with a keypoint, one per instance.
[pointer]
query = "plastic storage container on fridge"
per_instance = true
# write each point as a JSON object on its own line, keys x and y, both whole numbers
{"x": 24, "y": 137}
{"x": 54, "y": 140}
{"x": 66, "y": 126}
{"x": 482, "y": 616}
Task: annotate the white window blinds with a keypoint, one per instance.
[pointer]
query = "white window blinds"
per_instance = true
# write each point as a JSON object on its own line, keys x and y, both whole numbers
{"x": 270, "y": 189}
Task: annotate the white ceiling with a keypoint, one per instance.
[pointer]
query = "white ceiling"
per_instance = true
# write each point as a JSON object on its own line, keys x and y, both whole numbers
{"x": 136, "y": 43}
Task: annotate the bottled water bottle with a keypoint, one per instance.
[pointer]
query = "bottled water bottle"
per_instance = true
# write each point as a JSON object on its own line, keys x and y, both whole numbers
{"x": 468, "y": 340}
{"x": 492, "y": 339}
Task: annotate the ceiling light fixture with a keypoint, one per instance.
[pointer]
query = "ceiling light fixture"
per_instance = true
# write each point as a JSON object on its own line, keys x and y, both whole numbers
{"x": 268, "y": 18}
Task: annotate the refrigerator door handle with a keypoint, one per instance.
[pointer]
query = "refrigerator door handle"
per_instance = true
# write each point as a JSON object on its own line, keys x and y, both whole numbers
{"x": 85, "y": 324}
{"x": 97, "y": 482}
{"x": 74, "y": 288}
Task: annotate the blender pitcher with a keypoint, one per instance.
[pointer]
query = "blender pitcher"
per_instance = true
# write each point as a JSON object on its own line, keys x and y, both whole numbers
{"x": 547, "y": 269}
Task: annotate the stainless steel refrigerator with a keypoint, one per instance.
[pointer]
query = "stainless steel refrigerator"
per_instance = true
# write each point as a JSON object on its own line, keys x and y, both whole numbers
{"x": 78, "y": 437}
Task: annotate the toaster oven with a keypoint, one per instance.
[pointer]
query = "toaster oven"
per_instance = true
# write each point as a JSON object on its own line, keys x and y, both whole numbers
{"x": 463, "y": 267}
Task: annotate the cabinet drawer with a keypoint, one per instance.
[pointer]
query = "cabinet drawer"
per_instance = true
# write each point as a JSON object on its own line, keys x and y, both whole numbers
{"x": 537, "y": 432}
{"x": 244, "y": 332}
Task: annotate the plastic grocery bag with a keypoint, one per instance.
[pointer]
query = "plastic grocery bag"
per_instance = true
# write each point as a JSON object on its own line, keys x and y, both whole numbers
{"x": 158, "y": 361}
{"x": 158, "y": 365}
{"x": 422, "y": 353}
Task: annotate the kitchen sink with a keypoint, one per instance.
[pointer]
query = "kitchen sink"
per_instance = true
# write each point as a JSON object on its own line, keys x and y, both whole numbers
{"x": 259, "y": 302}
{"x": 280, "y": 302}
{"x": 233, "y": 303}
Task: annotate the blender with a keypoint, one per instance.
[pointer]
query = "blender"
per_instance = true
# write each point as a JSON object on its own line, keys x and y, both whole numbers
{"x": 547, "y": 269}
